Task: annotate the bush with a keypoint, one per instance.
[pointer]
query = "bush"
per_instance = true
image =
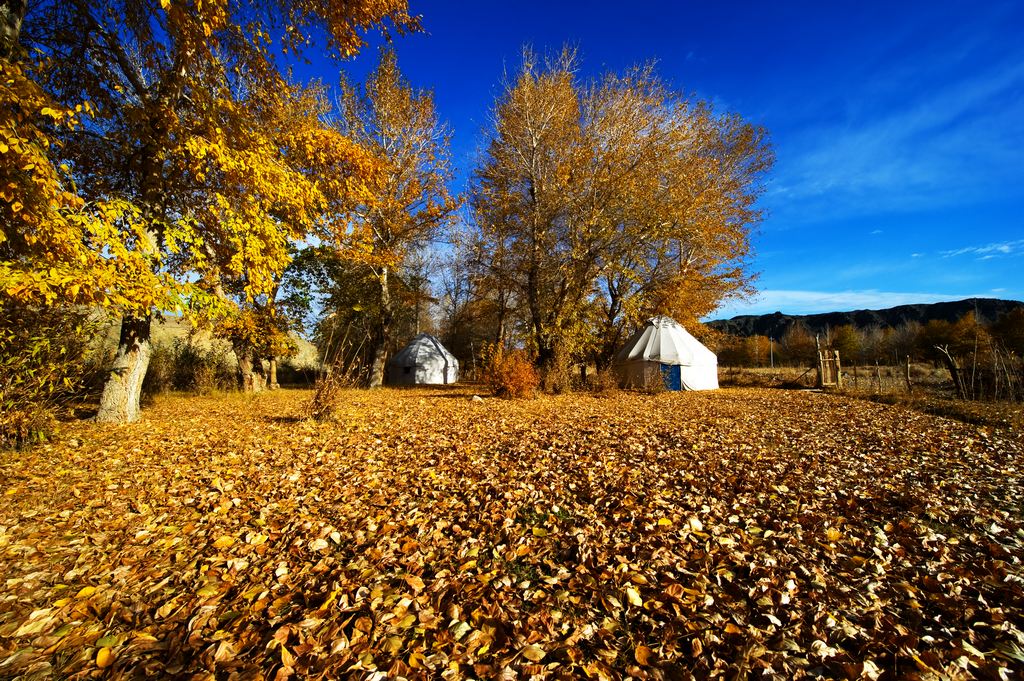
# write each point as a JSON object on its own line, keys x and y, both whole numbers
{"x": 159, "y": 377}
{"x": 559, "y": 378}
{"x": 328, "y": 388}
{"x": 604, "y": 382}
{"x": 654, "y": 384}
{"x": 187, "y": 366}
{"x": 510, "y": 373}
{"x": 43, "y": 367}
{"x": 289, "y": 373}
{"x": 203, "y": 370}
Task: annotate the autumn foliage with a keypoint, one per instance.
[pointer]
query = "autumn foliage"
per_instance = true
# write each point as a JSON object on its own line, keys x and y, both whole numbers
{"x": 600, "y": 203}
{"x": 157, "y": 157}
{"x": 510, "y": 373}
{"x": 43, "y": 364}
{"x": 423, "y": 535}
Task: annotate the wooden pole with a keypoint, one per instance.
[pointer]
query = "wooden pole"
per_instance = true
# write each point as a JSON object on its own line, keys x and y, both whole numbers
{"x": 839, "y": 371}
{"x": 954, "y": 371}
{"x": 910, "y": 387}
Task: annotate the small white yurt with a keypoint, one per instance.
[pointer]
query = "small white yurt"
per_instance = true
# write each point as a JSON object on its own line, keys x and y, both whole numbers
{"x": 424, "y": 361}
{"x": 663, "y": 350}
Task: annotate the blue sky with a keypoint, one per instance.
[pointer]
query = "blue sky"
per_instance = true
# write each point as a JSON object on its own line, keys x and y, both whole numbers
{"x": 898, "y": 126}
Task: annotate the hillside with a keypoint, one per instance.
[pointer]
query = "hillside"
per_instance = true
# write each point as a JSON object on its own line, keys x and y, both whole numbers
{"x": 775, "y": 325}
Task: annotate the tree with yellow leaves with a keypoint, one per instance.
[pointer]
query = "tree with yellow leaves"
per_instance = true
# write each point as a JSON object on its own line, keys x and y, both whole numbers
{"x": 611, "y": 200}
{"x": 175, "y": 145}
{"x": 410, "y": 203}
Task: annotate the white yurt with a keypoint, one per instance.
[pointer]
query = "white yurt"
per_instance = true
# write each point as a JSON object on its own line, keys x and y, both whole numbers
{"x": 424, "y": 361}
{"x": 663, "y": 350}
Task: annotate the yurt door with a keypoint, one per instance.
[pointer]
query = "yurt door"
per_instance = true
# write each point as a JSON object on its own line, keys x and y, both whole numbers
{"x": 672, "y": 376}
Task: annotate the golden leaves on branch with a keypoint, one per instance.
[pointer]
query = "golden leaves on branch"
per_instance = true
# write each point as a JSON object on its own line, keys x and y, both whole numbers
{"x": 239, "y": 179}
{"x": 601, "y": 203}
{"x": 57, "y": 247}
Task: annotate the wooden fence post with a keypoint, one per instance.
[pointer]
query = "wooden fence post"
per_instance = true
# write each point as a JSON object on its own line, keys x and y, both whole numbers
{"x": 954, "y": 371}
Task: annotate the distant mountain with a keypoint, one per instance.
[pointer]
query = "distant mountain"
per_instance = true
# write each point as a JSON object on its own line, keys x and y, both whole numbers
{"x": 775, "y": 325}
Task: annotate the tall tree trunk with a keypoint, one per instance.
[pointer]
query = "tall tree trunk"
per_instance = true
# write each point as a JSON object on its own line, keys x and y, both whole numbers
{"x": 499, "y": 333}
{"x": 12, "y": 12}
{"x": 122, "y": 393}
{"x": 611, "y": 333}
{"x": 272, "y": 383}
{"x": 383, "y": 336}
{"x": 546, "y": 352}
{"x": 251, "y": 377}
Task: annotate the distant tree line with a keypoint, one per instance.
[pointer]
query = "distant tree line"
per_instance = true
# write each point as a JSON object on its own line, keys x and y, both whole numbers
{"x": 990, "y": 353}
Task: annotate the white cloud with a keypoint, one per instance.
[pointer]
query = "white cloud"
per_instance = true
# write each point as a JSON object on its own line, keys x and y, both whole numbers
{"x": 988, "y": 251}
{"x": 812, "y": 302}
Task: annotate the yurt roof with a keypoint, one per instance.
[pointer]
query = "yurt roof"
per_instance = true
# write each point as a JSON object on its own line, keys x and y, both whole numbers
{"x": 664, "y": 340}
{"x": 420, "y": 349}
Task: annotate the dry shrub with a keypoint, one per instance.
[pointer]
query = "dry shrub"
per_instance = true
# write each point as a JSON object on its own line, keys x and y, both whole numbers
{"x": 605, "y": 382}
{"x": 159, "y": 377}
{"x": 187, "y": 365}
{"x": 203, "y": 370}
{"x": 325, "y": 395}
{"x": 559, "y": 378}
{"x": 43, "y": 367}
{"x": 654, "y": 384}
{"x": 510, "y": 373}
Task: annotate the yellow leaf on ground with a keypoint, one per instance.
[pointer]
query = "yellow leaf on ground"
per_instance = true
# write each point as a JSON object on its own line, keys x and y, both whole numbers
{"x": 534, "y": 653}
{"x": 104, "y": 658}
{"x": 224, "y": 542}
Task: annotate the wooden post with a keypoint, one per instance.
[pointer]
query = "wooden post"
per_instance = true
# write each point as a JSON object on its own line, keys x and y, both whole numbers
{"x": 839, "y": 371}
{"x": 954, "y": 371}
{"x": 910, "y": 387}
{"x": 878, "y": 375}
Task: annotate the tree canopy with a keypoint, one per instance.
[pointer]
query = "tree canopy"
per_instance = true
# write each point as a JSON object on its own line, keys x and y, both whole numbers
{"x": 160, "y": 151}
{"x": 601, "y": 202}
